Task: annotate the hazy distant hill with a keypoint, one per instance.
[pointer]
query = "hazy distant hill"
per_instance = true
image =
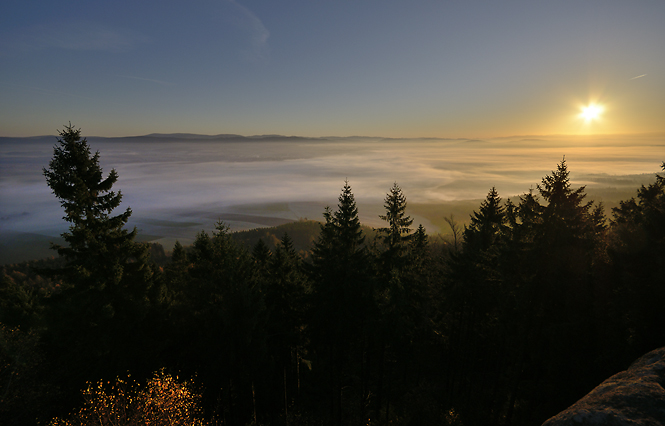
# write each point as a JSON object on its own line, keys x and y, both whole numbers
{"x": 20, "y": 247}
{"x": 184, "y": 137}
{"x": 221, "y": 137}
{"x": 25, "y": 246}
{"x": 303, "y": 233}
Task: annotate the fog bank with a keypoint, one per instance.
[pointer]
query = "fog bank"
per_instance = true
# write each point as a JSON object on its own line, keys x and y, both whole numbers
{"x": 177, "y": 185}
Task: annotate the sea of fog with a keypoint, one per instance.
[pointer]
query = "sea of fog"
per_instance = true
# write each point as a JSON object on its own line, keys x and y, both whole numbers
{"x": 178, "y": 185}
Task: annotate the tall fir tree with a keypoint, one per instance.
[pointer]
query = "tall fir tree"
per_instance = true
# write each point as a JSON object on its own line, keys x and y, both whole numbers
{"x": 396, "y": 295}
{"x": 107, "y": 274}
{"x": 340, "y": 296}
{"x": 102, "y": 256}
{"x": 487, "y": 225}
{"x": 549, "y": 261}
{"x": 100, "y": 250}
{"x": 340, "y": 246}
{"x": 396, "y": 234}
{"x": 566, "y": 217}
{"x": 474, "y": 299}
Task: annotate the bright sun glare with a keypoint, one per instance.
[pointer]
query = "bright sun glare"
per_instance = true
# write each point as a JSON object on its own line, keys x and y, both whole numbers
{"x": 591, "y": 112}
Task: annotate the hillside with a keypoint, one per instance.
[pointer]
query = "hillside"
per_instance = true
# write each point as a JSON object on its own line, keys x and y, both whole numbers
{"x": 303, "y": 233}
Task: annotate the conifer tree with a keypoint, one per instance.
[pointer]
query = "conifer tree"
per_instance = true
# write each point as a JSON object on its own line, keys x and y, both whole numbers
{"x": 101, "y": 255}
{"x": 339, "y": 256}
{"x": 261, "y": 253}
{"x": 106, "y": 277}
{"x": 100, "y": 251}
{"x": 565, "y": 217}
{"x": 341, "y": 241}
{"x": 221, "y": 332}
{"x": 340, "y": 295}
{"x": 474, "y": 299}
{"x": 549, "y": 263}
{"x": 176, "y": 277}
{"x": 488, "y": 224}
{"x": 396, "y": 294}
{"x": 285, "y": 292}
{"x": 395, "y": 257}
{"x": 637, "y": 251}
{"x": 349, "y": 232}
{"x": 420, "y": 243}
{"x": 396, "y": 233}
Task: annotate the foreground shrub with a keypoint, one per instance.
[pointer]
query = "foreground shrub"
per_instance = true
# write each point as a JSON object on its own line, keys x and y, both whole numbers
{"x": 163, "y": 401}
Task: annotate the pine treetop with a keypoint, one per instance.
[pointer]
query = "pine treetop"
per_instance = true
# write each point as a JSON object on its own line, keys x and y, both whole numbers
{"x": 398, "y": 222}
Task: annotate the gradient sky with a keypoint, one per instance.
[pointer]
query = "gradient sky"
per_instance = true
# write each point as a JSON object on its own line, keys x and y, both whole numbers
{"x": 316, "y": 68}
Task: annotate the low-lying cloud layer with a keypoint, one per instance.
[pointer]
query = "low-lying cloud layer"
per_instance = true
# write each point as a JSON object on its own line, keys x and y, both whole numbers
{"x": 179, "y": 185}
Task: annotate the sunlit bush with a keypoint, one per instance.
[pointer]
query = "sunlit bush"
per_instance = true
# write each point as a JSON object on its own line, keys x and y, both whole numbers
{"x": 163, "y": 401}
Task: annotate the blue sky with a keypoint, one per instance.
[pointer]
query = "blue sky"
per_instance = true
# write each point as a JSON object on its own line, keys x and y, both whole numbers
{"x": 316, "y": 68}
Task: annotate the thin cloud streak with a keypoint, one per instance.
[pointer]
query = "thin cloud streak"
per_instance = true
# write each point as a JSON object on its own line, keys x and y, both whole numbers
{"x": 258, "y": 33}
{"x": 639, "y": 76}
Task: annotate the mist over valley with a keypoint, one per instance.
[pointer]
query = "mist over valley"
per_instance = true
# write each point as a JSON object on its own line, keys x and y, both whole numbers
{"x": 180, "y": 184}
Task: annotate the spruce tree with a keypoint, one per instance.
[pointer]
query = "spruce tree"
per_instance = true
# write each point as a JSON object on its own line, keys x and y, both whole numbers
{"x": 347, "y": 222}
{"x": 341, "y": 241}
{"x": 565, "y": 218}
{"x": 261, "y": 254}
{"x": 487, "y": 225}
{"x": 397, "y": 232}
{"x": 340, "y": 295}
{"x": 397, "y": 292}
{"x": 95, "y": 321}
{"x": 549, "y": 264}
{"x": 474, "y": 300}
{"x": 100, "y": 252}
{"x": 396, "y": 258}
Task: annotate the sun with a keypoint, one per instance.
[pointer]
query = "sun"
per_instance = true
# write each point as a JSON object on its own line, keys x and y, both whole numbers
{"x": 591, "y": 112}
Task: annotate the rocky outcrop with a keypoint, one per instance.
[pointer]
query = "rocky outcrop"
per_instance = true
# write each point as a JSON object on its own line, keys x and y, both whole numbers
{"x": 634, "y": 397}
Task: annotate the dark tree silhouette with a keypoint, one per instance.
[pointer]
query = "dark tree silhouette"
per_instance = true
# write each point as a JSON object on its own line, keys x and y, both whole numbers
{"x": 106, "y": 278}
{"x": 550, "y": 261}
{"x": 637, "y": 249}
{"x": 100, "y": 251}
{"x": 475, "y": 297}
{"x": 396, "y": 234}
{"x": 340, "y": 298}
{"x": 221, "y": 330}
{"x": 487, "y": 225}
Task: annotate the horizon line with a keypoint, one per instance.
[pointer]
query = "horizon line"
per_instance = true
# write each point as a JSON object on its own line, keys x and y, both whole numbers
{"x": 230, "y": 135}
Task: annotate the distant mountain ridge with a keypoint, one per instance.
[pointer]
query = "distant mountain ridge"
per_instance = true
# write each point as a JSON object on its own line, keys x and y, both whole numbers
{"x": 237, "y": 137}
{"x": 224, "y": 136}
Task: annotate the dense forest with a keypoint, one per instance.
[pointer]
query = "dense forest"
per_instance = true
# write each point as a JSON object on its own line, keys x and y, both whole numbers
{"x": 517, "y": 316}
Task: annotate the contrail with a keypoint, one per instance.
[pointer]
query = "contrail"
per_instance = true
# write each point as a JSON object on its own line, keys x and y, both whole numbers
{"x": 639, "y": 76}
